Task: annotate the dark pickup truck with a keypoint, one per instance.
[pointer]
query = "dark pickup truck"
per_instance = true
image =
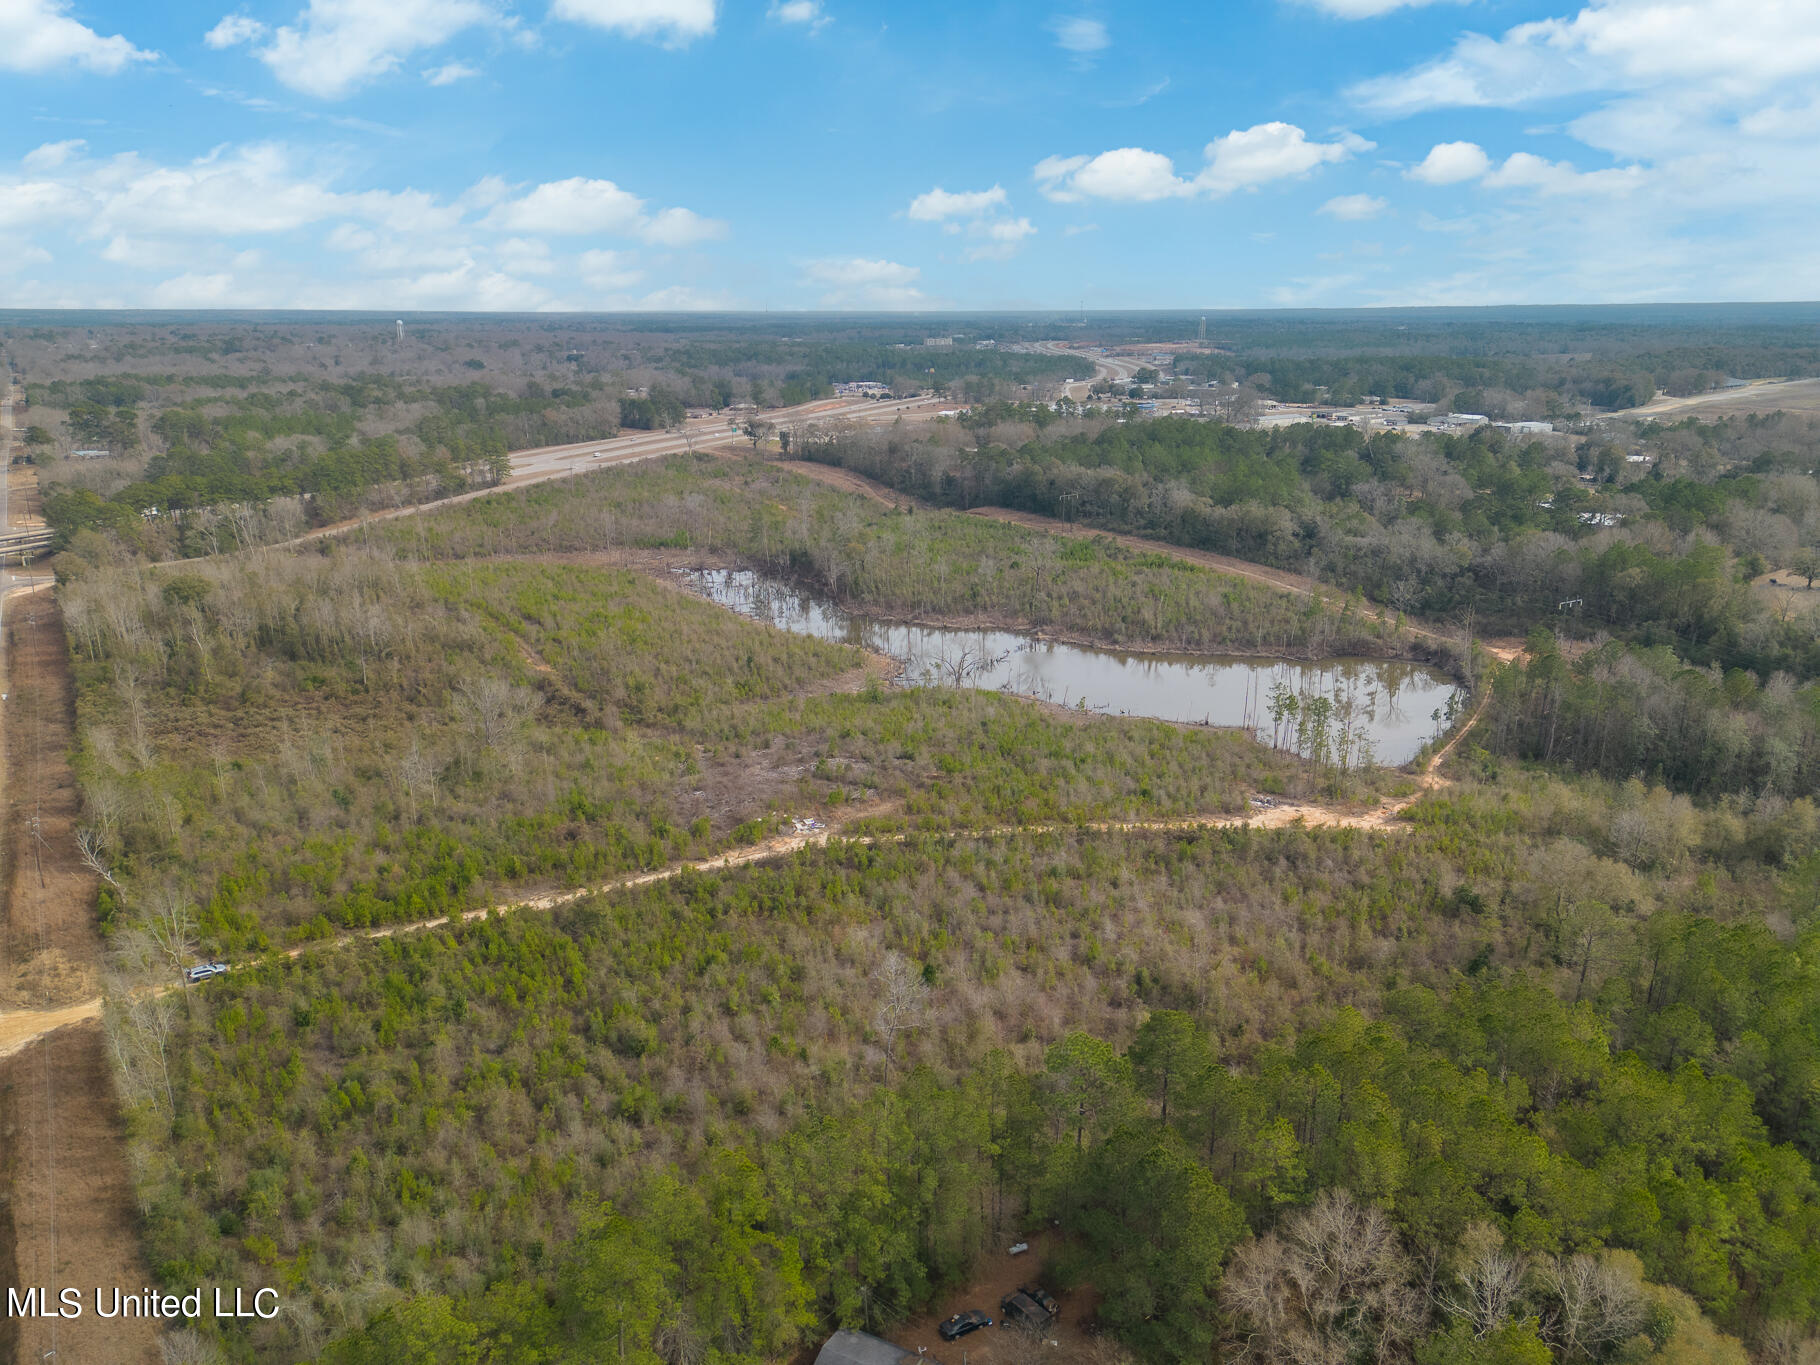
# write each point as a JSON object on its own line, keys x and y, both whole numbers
{"x": 1028, "y": 1307}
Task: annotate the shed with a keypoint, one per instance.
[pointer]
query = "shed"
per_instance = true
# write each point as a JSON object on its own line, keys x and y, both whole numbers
{"x": 856, "y": 1348}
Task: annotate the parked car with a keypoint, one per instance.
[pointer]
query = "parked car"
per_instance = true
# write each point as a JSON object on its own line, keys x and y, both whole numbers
{"x": 962, "y": 1323}
{"x": 1030, "y": 1308}
{"x": 202, "y": 971}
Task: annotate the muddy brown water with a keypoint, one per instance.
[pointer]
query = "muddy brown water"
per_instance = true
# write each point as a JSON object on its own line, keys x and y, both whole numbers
{"x": 1399, "y": 706}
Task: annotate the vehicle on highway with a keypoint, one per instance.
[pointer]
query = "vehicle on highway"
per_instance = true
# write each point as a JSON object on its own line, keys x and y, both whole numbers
{"x": 202, "y": 971}
{"x": 960, "y": 1324}
{"x": 1032, "y": 1308}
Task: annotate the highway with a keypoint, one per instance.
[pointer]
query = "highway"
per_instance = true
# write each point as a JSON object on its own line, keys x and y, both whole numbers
{"x": 1117, "y": 368}
{"x": 551, "y": 462}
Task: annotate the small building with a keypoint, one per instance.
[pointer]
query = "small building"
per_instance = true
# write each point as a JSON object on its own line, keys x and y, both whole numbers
{"x": 88, "y": 454}
{"x": 938, "y": 341}
{"x": 857, "y": 1348}
{"x": 1530, "y": 428}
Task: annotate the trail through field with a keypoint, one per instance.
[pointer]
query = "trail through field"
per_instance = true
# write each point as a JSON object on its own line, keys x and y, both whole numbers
{"x": 22, "y": 1027}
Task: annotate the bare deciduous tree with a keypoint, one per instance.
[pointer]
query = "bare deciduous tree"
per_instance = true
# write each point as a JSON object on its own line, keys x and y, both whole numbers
{"x": 1332, "y": 1286}
{"x": 903, "y": 999}
{"x": 1597, "y": 1303}
{"x": 494, "y": 709}
{"x": 91, "y": 848}
{"x": 1487, "y": 1283}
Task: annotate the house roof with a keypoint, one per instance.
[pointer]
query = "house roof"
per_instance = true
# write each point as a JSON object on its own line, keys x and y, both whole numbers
{"x": 856, "y": 1348}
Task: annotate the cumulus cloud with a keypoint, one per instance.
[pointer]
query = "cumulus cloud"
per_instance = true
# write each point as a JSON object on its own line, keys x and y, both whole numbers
{"x": 996, "y": 237}
{"x": 805, "y": 12}
{"x": 337, "y": 46}
{"x": 52, "y": 154}
{"x": 1448, "y": 163}
{"x": 609, "y": 270}
{"x": 1269, "y": 151}
{"x": 1000, "y": 238}
{"x": 676, "y": 22}
{"x": 1354, "y": 208}
{"x": 855, "y": 282}
{"x": 450, "y": 72}
{"x": 1734, "y": 48}
{"x": 1242, "y": 159}
{"x": 1079, "y": 35}
{"x": 1526, "y": 171}
{"x": 938, "y": 204}
{"x": 579, "y": 206}
{"x": 39, "y": 35}
{"x": 233, "y": 30}
{"x": 680, "y": 227}
{"x": 1364, "y": 9}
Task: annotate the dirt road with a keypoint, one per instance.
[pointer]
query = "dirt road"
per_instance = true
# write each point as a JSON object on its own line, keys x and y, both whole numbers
{"x": 69, "y": 1217}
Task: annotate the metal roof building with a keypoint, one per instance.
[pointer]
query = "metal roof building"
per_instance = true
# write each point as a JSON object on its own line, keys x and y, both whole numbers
{"x": 856, "y": 1348}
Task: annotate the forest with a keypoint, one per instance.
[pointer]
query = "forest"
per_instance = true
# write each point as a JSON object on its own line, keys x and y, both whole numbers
{"x": 613, "y": 977}
{"x": 1504, "y": 531}
{"x": 1536, "y": 1055}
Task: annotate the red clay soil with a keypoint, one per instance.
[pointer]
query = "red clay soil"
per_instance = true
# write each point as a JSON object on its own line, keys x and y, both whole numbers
{"x": 67, "y": 1217}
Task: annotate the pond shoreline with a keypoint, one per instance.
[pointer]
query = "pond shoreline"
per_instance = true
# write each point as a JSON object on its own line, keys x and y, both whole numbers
{"x": 1381, "y": 711}
{"x": 666, "y": 564}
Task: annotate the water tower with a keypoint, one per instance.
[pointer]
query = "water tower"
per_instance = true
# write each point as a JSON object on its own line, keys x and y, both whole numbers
{"x": 400, "y": 337}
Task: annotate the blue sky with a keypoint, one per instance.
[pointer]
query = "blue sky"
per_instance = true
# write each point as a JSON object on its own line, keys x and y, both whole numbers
{"x": 668, "y": 154}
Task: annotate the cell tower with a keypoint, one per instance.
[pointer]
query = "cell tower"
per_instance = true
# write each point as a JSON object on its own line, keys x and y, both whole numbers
{"x": 400, "y": 337}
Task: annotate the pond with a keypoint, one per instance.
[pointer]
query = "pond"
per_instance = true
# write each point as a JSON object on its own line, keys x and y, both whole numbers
{"x": 1392, "y": 706}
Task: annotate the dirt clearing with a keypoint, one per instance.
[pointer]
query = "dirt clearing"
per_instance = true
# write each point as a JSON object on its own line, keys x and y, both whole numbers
{"x": 997, "y": 1275}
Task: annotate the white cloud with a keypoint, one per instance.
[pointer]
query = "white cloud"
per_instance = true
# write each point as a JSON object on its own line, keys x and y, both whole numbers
{"x": 1269, "y": 151}
{"x": 1733, "y": 48}
{"x": 1524, "y": 170}
{"x": 195, "y": 291}
{"x": 677, "y": 298}
{"x": 1000, "y": 238}
{"x": 939, "y": 203}
{"x": 52, "y": 154}
{"x": 609, "y": 270}
{"x": 525, "y": 256}
{"x": 680, "y": 227}
{"x": 233, "y": 30}
{"x": 449, "y": 73}
{"x": 39, "y": 35}
{"x": 1242, "y": 159}
{"x": 1448, "y": 163}
{"x": 578, "y": 207}
{"x": 807, "y": 12}
{"x": 1354, "y": 208}
{"x": 1080, "y": 35}
{"x": 1365, "y": 9}
{"x": 336, "y": 46}
{"x": 854, "y": 282}
{"x": 572, "y": 206}
{"x": 675, "y": 21}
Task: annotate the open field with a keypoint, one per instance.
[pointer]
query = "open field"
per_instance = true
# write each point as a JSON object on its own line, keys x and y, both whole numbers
{"x": 1763, "y": 395}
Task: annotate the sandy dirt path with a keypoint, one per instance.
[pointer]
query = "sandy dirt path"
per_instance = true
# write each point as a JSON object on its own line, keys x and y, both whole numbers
{"x": 20, "y": 1028}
